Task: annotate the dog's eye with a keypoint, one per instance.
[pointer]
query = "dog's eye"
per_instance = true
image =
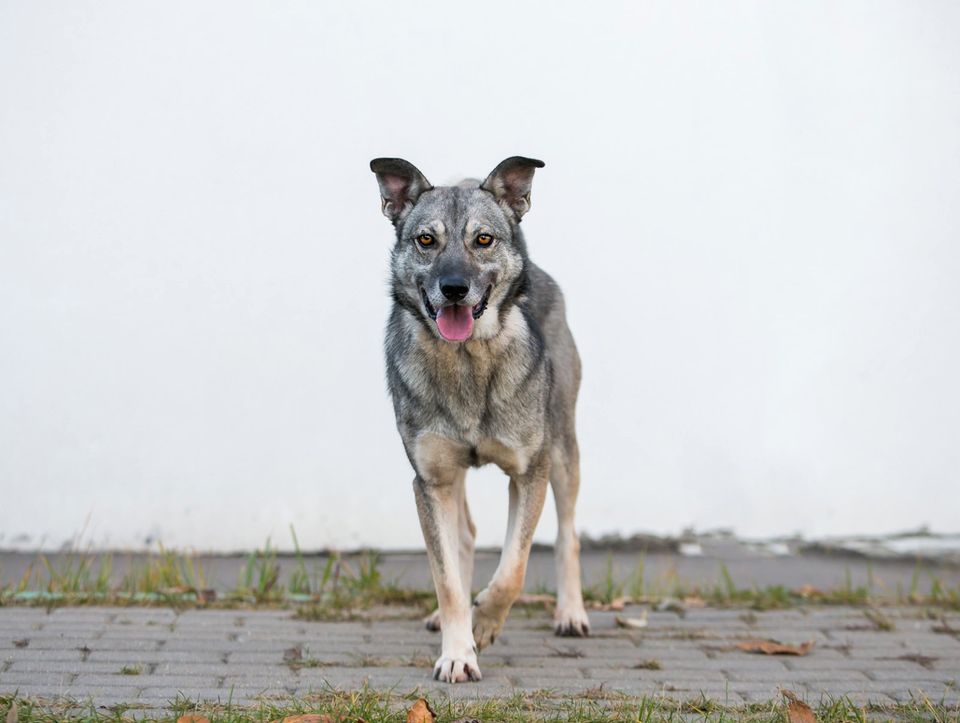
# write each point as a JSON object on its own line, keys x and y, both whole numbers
{"x": 425, "y": 239}
{"x": 484, "y": 239}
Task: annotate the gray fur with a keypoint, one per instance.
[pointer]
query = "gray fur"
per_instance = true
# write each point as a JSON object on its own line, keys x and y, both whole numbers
{"x": 505, "y": 395}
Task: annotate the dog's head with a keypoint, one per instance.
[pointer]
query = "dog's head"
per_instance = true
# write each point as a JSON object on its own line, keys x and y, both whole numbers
{"x": 459, "y": 256}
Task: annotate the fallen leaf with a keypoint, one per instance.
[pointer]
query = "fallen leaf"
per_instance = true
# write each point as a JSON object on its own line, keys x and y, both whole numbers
{"x": 191, "y": 718}
{"x": 633, "y": 623}
{"x": 292, "y": 655}
{"x": 800, "y": 712}
{"x": 773, "y": 647}
{"x": 808, "y": 591}
{"x": 21, "y": 643}
{"x": 535, "y": 599}
{"x": 175, "y": 590}
{"x": 694, "y": 601}
{"x": 420, "y": 712}
{"x": 617, "y": 604}
{"x": 797, "y": 710}
{"x": 12, "y": 715}
{"x": 205, "y": 597}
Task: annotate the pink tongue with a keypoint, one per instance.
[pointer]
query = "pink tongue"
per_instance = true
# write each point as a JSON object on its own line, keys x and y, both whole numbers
{"x": 455, "y": 322}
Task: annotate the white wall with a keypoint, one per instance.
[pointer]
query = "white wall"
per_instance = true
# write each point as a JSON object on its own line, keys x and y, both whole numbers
{"x": 752, "y": 208}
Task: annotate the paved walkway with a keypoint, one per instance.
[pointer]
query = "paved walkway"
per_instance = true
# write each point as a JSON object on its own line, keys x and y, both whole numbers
{"x": 150, "y": 656}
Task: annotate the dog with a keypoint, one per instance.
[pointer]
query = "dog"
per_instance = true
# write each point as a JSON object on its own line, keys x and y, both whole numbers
{"x": 481, "y": 368}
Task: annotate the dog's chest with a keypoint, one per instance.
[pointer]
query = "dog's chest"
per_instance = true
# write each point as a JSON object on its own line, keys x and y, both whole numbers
{"x": 486, "y": 397}
{"x": 479, "y": 393}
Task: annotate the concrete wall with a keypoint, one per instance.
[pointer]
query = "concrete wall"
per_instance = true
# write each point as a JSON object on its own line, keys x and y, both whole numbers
{"x": 752, "y": 208}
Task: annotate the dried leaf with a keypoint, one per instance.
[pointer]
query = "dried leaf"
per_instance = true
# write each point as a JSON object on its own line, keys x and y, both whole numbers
{"x": 694, "y": 601}
{"x": 617, "y": 604}
{"x": 800, "y": 712}
{"x": 773, "y": 647}
{"x": 192, "y": 718}
{"x": 292, "y": 655}
{"x": 632, "y": 623}
{"x": 808, "y": 591}
{"x": 175, "y": 590}
{"x": 420, "y": 712}
{"x": 12, "y": 715}
{"x": 797, "y": 710}
{"x": 535, "y": 599}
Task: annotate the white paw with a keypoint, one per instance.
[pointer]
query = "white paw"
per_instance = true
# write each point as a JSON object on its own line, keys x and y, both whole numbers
{"x": 432, "y": 621}
{"x": 488, "y": 619}
{"x": 571, "y": 621}
{"x": 449, "y": 669}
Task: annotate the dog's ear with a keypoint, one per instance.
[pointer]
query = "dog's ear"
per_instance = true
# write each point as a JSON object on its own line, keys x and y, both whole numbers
{"x": 510, "y": 184}
{"x": 400, "y": 185}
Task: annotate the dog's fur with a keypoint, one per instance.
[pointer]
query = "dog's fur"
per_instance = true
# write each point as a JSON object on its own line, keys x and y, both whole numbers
{"x": 505, "y": 394}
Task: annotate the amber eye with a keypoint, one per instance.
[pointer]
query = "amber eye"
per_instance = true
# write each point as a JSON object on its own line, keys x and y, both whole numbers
{"x": 425, "y": 239}
{"x": 484, "y": 239}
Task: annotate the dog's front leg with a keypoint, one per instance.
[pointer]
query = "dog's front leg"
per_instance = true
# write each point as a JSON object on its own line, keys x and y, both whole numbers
{"x": 438, "y": 506}
{"x": 527, "y": 493}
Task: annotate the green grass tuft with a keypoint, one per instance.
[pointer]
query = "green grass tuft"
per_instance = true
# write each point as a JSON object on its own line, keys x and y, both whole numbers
{"x": 594, "y": 705}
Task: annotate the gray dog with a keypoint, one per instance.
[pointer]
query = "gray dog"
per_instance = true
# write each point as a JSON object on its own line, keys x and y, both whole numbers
{"x": 482, "y": 368}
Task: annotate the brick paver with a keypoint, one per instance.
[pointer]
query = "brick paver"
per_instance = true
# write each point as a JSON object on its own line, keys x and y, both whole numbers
{"x": 240, "y": 655}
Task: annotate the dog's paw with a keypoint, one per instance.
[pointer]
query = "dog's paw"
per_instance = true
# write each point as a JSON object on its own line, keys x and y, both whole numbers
{"x": 432, "y": 621}
{"x": 488, "y": 619}
{"x": 571, "y": 622}
{"x": 449, "y": 669}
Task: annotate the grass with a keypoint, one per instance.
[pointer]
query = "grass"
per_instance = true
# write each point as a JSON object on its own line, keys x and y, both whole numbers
{"x": 337, "y": 589}
{"x": 670, "y": 593}
{"x": 131, "y": 670}
{"x": 260, "y": 575}
{"x": 346, "y": 588}
{"x": 341, "y": 588}
{"x": 609, "y": 588}
{"x": 165, "y": 572}
{"x": 391, "y": 707}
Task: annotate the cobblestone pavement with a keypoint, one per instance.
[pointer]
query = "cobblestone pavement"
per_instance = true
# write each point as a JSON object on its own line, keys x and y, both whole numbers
{"x": 149, "y": 656}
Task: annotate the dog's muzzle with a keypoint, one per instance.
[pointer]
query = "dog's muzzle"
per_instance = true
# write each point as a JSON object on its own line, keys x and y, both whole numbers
{"x": 455, "y": 321}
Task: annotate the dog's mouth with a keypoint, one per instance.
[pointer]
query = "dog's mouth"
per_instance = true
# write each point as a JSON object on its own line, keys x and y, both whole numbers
{"x": 455, "y": 321}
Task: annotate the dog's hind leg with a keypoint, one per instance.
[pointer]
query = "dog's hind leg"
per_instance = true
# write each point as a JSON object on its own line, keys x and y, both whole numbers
{"x": 570, "y": 617}
{"x": 468, "y": 534}
{"x": 527, "y": 493}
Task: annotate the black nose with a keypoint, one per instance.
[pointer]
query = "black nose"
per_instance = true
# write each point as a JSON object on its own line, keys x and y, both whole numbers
{"x": 454, "y": 287}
